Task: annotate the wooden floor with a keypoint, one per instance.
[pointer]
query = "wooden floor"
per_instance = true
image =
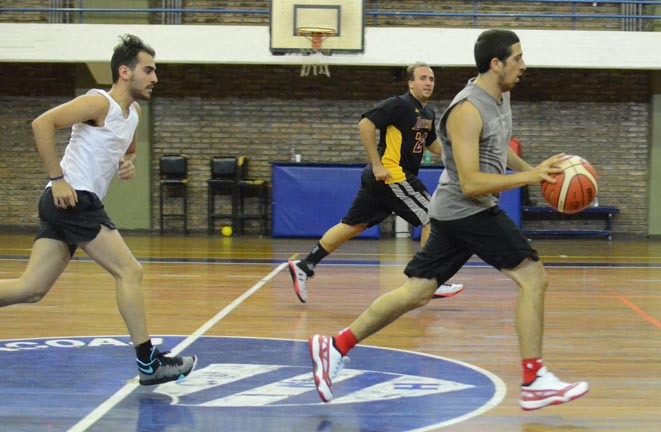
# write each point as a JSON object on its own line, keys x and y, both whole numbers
{"x": 603, "y": 320}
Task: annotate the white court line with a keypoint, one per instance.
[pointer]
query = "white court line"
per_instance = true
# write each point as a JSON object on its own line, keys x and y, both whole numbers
{"x": 113, "y": 400}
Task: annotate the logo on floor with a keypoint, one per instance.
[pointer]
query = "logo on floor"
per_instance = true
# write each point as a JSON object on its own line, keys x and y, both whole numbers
{"x": 245, "y": 384}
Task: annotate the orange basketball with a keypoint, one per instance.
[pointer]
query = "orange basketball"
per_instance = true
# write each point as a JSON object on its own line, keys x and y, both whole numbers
{"x": 575, "y": 187}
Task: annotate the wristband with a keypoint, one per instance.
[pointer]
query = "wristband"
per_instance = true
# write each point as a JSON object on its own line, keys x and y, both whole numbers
{"x": 56, "y": 178}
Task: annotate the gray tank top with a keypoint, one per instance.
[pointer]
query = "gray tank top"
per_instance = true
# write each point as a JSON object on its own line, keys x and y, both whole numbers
{"x": 448, "y": 201}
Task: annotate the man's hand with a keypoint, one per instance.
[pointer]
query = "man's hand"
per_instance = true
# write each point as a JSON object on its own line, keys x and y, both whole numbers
{"x": 542, "y": 171}
{"x": 126, "y": 169}
{"x": 63, "y": 194}
{"x": 381, "y": 173}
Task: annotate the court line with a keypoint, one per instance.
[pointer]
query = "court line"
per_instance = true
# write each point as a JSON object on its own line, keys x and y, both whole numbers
{"x": 639, "y": 311}
{"x": 347, "y": 262}
{"x": 113, "y": 400}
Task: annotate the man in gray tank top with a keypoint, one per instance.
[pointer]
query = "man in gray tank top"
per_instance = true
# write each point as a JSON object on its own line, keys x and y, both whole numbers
{"x": 475, "y": 132}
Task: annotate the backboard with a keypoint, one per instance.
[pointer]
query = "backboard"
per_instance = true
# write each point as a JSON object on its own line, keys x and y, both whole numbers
{"x": 344, "y": 19}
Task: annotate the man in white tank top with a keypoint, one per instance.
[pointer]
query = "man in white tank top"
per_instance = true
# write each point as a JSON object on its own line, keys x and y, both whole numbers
{"x": 465, "y": 220}
{"x": 102, "y": 145}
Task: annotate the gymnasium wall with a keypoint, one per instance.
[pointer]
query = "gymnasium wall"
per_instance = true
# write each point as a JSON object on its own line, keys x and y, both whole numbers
{"x": 261, "y": 111}
{"x": 447, "y": 6}
{"x": 264, "y": 108}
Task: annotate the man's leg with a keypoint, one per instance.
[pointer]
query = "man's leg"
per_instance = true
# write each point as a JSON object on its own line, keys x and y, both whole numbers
{"x": 338, "y": 235}
{"x": 424, "y": 234}
{"x": 302, "y": 270}
{"x": 445, "y": 290}
{"x": 415, "y": 293}
{"x": 540, "y": 387}
{"x": 48, "y": 260}
{"x": 327, "y": 353}
{"x": 532, "y": 280}
{"x": 111, "y": 252}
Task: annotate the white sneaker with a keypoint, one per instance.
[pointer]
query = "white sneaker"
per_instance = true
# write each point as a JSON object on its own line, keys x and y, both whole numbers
{"x": 300, "y": 280}
{"x": 547, "y": 389}
{"x": 448, "y": 290}
{"x": 327, "y": 362}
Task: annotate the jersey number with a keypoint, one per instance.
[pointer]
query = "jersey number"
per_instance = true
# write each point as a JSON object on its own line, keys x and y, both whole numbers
{"x": 420, "y": 140}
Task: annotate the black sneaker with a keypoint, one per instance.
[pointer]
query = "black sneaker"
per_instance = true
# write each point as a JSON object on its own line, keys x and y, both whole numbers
{"x": 162, "y": 368}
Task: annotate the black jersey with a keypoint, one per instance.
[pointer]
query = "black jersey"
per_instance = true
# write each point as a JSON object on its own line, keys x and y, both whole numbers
{"x": 406, "y": 128}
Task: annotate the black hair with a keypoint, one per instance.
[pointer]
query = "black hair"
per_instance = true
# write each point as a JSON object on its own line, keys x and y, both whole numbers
{"x": 495, "y": 43}
{"x": 126, "y": 54}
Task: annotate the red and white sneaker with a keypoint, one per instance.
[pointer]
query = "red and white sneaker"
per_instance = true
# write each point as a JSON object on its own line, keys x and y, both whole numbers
{"x": 448, "y": 290}
{"x": 327, "y": 362}
{"x": 547, "y": 390}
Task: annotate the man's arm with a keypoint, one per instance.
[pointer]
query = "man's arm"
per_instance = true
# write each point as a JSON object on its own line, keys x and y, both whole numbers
{"x": 127, "y": 164}
{"x": 368, "y": 138}
{"x": 436, "y": 147}
{"x": 85, "y": 108}
{"x": 464, "y": 126}
{"x": 515, "y": 163}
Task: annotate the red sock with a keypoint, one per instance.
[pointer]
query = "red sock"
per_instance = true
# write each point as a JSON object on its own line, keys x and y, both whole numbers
{"x": 530, "y": 368}
{"x": 344, "y": 341}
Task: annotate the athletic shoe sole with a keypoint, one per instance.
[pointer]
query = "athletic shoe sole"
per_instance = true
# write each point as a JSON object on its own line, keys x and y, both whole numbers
{"x": 581, "y": 389}
{"x": 325, "y": 392}
{"x": 294, "y": 279}
{"x": 450, "y": 294}
{"x": 167, "y": 379}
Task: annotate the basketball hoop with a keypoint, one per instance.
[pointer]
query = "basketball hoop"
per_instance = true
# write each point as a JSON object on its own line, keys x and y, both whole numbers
{"x": 317, "y": 36}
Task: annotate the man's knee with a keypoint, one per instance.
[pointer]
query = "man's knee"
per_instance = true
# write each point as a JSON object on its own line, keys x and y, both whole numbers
{"x": 421, "y": 291}
{"x": 531, "y": 276}
{"x": 132, "y": 272}
{"x": 34, "y": 293}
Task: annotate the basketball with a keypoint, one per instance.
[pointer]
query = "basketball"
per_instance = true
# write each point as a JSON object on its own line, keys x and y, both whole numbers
{"x": 575, "y": 187}
{"x": 226, "y": 231}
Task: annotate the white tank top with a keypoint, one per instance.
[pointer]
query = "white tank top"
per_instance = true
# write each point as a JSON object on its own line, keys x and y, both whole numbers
{"x": 91, "y": 159}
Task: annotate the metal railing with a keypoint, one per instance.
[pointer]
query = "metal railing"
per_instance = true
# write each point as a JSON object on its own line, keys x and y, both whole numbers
{"x": 633, "y": 15}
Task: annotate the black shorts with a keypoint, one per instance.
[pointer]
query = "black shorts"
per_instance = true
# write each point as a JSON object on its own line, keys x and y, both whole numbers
{"x": 490, "y": 234}
{"x": 377, "y": 200}
{"x": 73, "y": 225}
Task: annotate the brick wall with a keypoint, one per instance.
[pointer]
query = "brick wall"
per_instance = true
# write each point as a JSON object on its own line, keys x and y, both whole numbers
{"x": 446, "y": 7}
{"x": 260, "y": 111}
{"x": 24, "y": 17}
{"x": 27, "y": 91}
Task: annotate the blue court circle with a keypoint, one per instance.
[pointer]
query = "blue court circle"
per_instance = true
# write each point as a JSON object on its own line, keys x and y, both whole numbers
{"x": 240, "y": 384}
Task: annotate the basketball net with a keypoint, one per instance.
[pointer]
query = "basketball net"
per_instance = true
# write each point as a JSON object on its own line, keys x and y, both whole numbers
{"x": 316, "y": 36}
{"x": 315, "y": 65}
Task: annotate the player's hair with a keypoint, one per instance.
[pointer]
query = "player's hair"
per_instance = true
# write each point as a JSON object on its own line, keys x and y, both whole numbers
{"x": 410, "y": 71}
{"x": 126, "y": 54}
{"x": 495, "y": 43}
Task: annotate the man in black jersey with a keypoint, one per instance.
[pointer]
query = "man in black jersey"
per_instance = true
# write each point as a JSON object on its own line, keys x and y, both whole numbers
{"x": 389, "y": 183}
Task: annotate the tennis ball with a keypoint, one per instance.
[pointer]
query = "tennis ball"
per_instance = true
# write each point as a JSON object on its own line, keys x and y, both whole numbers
{"x": 226, "y": 231}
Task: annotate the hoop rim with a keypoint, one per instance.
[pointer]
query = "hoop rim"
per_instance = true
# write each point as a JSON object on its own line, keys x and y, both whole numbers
{"x": 316, "y": 31}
